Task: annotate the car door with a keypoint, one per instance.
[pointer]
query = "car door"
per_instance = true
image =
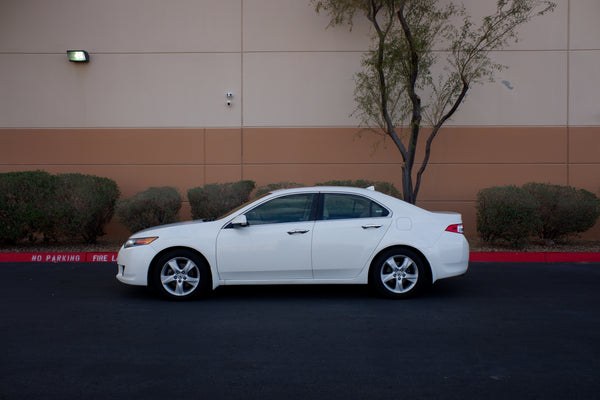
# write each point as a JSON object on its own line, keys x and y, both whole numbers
{"x": 349, "y": 229}
{"x": 274, "y": 246}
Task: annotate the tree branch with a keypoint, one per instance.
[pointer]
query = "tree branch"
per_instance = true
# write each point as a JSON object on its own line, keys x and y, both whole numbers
{"x": 434, "y": 132}
{"x": 382, "y": 35}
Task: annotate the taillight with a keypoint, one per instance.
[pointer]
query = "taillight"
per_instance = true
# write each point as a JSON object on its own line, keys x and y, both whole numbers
{"x": 456, "y": 228}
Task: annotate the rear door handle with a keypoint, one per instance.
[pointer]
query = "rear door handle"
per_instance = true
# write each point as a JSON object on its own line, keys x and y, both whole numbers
{"x": 295, "y": 231}
{"x": 372, "y": 226}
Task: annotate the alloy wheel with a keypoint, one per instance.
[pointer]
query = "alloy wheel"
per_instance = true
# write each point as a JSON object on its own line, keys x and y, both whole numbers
{"x": 399, "y": 274}
{"x": 180, "y": 276}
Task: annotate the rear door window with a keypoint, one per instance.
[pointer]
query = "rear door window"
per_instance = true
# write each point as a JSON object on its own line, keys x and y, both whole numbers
{"x": 347, "y": 206}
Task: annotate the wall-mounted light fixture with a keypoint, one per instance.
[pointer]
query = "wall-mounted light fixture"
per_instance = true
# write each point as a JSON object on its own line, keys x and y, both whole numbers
{"x": 78, "y": 56}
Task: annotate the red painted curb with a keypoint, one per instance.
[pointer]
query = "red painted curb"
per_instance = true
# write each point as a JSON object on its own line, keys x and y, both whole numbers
{"x": 110, "y": 257}
{"x": 59, "y": 257}
{"x": 547, "y": 257}
{"x": 506, "y": 257}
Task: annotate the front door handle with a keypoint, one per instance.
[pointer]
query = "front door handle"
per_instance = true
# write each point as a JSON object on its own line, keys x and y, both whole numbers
{"x": 295, "y": 231}
{"x": 372, "y": 226}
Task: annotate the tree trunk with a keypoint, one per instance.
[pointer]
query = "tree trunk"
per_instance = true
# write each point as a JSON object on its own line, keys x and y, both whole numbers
{"x": 407, "y": 186}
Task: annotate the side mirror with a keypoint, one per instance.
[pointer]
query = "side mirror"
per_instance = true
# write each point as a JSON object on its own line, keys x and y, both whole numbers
{"x": 239, "y": 221}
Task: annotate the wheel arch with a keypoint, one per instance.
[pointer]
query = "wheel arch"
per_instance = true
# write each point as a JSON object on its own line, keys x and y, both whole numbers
{"x": 405, "y": 247}
{"x": 154, "y": 265}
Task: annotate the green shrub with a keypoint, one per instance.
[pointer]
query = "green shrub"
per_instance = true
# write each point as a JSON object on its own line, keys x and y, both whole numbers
{"x": 216, "y": 199}
{"x": 564, "y": 210}
{"x": 152, "y": 207}
{"x": 383, "y": 187}
{"x": 509, "y": 213}
{"x": 275, "y": 186}
{"x": 84, "y": 204}
{"x": 25, "y": 198}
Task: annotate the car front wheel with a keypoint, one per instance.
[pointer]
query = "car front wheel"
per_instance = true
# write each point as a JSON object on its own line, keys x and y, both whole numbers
{"x": 181, "y": 275}
{"x": 399, "y": 273}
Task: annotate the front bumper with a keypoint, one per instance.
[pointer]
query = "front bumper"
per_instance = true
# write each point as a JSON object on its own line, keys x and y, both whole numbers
{"x": 133, "y": 264}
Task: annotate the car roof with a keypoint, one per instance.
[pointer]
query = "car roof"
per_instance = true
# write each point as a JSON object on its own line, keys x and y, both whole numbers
{"x": 345, "y": 189}
{"x": 370, "y": 192}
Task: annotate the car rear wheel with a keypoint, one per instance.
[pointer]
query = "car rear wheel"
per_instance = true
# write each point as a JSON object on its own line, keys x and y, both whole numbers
{"x": 399, "y": 273}
{"x": 181, "y": 275}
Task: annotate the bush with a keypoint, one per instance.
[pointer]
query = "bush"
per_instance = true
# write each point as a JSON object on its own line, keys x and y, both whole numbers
{"x": 383, "y": 187}
{"x": 564, "y": 210}
{"x": 25, "y": 200}
{"x": 84, "y": 204}
{"x": 275, "y": 186}
{"x": 216, "y": 199}
{"x": 152, "y": 207}
{"x": 35, "y": 202}
{"x": 509, "y": 213}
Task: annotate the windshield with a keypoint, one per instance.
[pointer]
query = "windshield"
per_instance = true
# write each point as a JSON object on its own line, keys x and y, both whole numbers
{"x": 243, "y": 205}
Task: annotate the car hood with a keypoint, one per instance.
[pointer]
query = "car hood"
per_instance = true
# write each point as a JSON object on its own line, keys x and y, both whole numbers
{"x": 170, "y": 227}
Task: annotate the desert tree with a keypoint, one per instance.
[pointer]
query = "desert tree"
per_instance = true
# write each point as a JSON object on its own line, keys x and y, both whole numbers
{"x": 424, "y": 57}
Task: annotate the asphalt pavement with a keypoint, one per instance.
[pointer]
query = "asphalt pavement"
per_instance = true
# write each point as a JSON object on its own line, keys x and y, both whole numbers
{"x": 502, "y": 331}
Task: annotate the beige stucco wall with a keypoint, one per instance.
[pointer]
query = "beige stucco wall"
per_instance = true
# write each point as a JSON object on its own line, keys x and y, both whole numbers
{"x": 169, "y": 64}
{"x": 150, "y": 108}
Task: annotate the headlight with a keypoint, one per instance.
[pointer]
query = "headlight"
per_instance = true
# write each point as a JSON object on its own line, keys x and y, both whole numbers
{"x": 139, "y": 241}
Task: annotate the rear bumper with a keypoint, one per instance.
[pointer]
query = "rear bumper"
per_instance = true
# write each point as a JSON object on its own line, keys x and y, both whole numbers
{"x": 451, "y": 258}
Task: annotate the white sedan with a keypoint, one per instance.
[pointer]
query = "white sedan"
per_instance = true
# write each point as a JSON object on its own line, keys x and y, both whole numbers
{"x": 316, "y": 235}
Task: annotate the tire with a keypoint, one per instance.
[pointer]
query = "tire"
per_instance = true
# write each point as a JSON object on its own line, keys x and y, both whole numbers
{"x": 399, "y": 273}
{"x": 181, "y": 275}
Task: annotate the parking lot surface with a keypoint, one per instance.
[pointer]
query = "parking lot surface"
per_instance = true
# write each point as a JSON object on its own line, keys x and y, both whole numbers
{"x": 526, "y": 331}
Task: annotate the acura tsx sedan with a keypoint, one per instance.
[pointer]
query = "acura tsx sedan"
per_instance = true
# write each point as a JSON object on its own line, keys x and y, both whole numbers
{"x": 313, "y": 235}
